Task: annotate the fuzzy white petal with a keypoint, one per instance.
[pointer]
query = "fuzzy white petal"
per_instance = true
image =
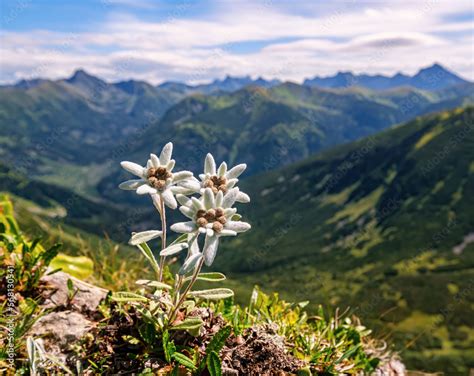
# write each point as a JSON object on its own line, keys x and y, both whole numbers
{"x": 226, "y": 232}
{"x": 231, "y": 183}
{"x": 170, "y": 165}
{"x": 237, "y": 226}
{"x": 182, "y": 199}
{"x": 133, "y": 168}
{"x": 144, "y": 236}
{"x": 219, "y": 199}
{"x": 165, "y": 155}
{"x": 229, "y": 198}
{"x": 209, "y": 201}
{"x": 236, "y": 171}
{"x": 184, "y": 227}
{"x": 154, "y": 160}
{"x": 146, "y": 189}
{"x": 187, "y": 211}
{"x": 222, "y": 169}
{"x": 198, "y": 205}
{"x": 168, "y": 198}
{"x": 210, "y": 232}
{"x": 131, "y": 185}
{"x": 229, "y": 212}
{"x": 182, "y": 175}
{"x": 242, "y": 197}
{"x": 210, "y": 164}
{"x": 210, "y": 249}
{"x": 191, "y": 184}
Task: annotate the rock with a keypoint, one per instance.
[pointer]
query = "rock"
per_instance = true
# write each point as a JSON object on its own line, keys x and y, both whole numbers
{"x": 61, "y": 328}
{"x": 86, "y": 299}
{"x": 394, "y": 367}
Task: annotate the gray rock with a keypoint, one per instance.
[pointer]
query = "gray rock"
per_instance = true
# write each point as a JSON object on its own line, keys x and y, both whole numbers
{"x": 61, "y": 328}
{"x": 87, "y": 297}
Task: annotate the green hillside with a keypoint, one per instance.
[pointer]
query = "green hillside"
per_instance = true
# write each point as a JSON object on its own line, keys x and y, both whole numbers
{"x": 268, "y": 128}
{"x": 383, "y": 226}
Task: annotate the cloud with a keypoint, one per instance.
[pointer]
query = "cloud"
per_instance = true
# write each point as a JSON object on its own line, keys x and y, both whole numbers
{"x": 293, "y": 44}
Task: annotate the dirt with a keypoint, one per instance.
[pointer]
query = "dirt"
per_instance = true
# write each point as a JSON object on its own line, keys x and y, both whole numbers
{"x": 259, "y": 351}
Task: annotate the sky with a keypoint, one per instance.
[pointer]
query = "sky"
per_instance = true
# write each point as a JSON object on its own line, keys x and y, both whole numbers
{"x": 198, "y": 41}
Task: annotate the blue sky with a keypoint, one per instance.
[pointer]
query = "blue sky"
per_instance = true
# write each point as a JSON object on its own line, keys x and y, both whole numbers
{"x": 196, "y": 41}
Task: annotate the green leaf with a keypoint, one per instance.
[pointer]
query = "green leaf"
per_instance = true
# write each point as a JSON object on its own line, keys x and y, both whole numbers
{"x": 145, "y": 249}
{"x": 209, "y": 277}
{"x": 214, "y": 364}
{"x": 168, "y": 346}
{"x": 212, "y": 294}
{"x": 123, "y": 296}
{"x": 218, "y": 340}
{"x": 188, "y": 324}
{"x": 236, "y": 217}
{"x": 184, "y": 360}
{"x": 78, "y": 266}
{"x": 180, "y": 239}
{"x": 156, "y": 284}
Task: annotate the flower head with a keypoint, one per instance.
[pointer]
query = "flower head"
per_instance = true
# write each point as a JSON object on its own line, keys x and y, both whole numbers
{"x": 158, "y": 178}
{"x": 221, "y": 179}
{"x": 211, "y": 215}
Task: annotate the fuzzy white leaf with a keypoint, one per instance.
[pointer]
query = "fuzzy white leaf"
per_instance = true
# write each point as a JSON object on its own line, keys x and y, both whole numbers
{"x": 173, "y": 249}
{"x": 190, "y": 263}
{"x": 144, "y": 236}
{"x": 209, "y": 251}
{"x": 212, "y": 294}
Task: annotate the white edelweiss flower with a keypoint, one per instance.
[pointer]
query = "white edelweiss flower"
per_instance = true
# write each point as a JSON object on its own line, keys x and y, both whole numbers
{"x": 211, "y": 215}
{"x": 157, "y": 177}
{"x": 221, "y": 179}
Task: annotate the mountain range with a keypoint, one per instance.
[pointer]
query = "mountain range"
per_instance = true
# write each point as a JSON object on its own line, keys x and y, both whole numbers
{"x": 348, "y": 206}
{"x": 73, "y": 132}
{"x": 431, "y": 78}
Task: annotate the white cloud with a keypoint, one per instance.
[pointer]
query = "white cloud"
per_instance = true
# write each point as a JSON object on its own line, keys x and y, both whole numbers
{"x": 380, "y": 37}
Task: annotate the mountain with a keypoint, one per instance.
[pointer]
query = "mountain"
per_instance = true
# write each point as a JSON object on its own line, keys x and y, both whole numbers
{"x": 65, "y": 131}
{"x": 384, "y": 226}
{"x": 268, "y": 128}
{"x": 74, "y": 132}
{"x": 228, "y": 84}
{"x": 434, "y": 77}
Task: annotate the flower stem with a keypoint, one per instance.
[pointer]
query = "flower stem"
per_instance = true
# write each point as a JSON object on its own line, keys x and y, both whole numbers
{"x": 163, "y": 239}
{"x": 185, "y": 292}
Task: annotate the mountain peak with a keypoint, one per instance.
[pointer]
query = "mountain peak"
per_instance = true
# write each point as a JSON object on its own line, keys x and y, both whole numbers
{"x": 81, "y": 75}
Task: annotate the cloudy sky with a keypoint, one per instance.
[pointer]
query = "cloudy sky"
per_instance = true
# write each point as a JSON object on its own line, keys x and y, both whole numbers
{"x": 196, "y": 41}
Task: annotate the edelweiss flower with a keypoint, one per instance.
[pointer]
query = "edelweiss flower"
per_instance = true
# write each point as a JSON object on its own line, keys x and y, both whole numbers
{"x": 211, "y": 215}
{"x": 221, "y": 179}
{"x": 157, "y": 177}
